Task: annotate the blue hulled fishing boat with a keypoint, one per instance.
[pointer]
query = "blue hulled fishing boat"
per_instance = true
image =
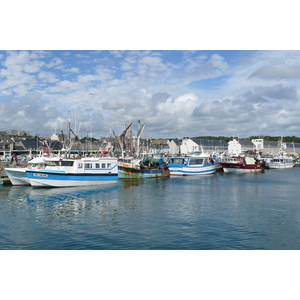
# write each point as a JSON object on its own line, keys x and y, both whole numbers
{"x": 203, "y": 164}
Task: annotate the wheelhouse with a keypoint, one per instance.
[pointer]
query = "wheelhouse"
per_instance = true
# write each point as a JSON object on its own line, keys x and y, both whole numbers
{"x": 282, "y": 160}
{"x": 196, "y": 161}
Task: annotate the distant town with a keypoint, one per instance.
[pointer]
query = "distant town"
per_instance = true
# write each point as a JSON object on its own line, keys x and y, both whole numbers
{"x": 23, "y": 142}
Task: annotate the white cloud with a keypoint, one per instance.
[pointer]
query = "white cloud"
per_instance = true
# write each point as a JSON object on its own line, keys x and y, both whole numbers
{"x": 117, "y": 53}
{"x": 69, "y": 85}
{"x": 277, "y": 71}
{"x": 119, "y": 103}
{"x": 48, "y": 76}
{"x": 55, "y": 63}
{"x": 81, "y": 56}
{"x": 178, "y": 94}
{"x": 218, "y": 62}
{"x": 88, "y": 78}
{"x": 72, "y": 70}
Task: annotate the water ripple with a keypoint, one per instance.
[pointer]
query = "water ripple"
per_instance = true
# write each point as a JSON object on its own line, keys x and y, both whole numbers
{"x": 259, "y": 211}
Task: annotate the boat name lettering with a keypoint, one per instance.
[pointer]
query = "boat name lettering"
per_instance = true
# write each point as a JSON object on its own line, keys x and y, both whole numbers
{"x": 40, "y": 175}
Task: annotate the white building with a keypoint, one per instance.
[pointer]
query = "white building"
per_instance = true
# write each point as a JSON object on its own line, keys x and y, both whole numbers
{"x": 234, "y": 147}
{"x": 188, "y": 146}
{"x": 259, "y": 143}
{"x": 54, "y": 137}
{"x": 174, "y": 146}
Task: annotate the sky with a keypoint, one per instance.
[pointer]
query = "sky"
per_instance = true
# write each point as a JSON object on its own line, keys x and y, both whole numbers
{"x": 181, "y": 87}
{"x": 178, "y": 93}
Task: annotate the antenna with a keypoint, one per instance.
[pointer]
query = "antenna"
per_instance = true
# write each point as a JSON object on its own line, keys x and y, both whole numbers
{"x": 69, "y": 126}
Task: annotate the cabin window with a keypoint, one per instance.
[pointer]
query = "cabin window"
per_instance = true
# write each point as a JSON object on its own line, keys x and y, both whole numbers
{"x": 80, "y": 165}
{"x": 88, "y": 166}
{"x": 97, "y": 166}
{"x": 196, "y": 161}
{"x": 177, "y": 160}
{"x": 61, "y": 163}
{"x": 108, "y": 165}
{"x": 67, "y": 163}
{"x": 103, "y": 166}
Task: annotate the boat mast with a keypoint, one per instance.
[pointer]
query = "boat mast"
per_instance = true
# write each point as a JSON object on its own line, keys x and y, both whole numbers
{"x": 138, "y": 139}
{"x": 77, "y": 140}
{"x": 122, "y": 140}
{"x": 110, "y": 145}
{"x": 130, "y": 140}
{"x": 69, "y": 126}
{"x": 294, "y": 152}
{"x": 63, "y": 136}
{"x": 87, "y": 143}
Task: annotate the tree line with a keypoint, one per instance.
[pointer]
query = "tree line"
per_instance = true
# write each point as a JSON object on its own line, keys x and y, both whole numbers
{"x": 267, "y": 138}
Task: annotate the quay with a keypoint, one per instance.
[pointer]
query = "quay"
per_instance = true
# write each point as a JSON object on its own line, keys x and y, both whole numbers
{"x": 4, "y": 180}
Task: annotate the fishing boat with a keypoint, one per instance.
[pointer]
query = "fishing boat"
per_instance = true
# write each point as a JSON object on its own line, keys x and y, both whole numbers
{"x": 64, "y": 172}
{"x": 18, "y": 175}
{"x": 280, "y": 162}
{"x": 296, "y": 162}
{"x": 140, "y": 165}
{"x": 242, "y": 164}
{"x": 192, "y": 165}
{"x": 130, "y": 168}
{"x": 279, "y": 159}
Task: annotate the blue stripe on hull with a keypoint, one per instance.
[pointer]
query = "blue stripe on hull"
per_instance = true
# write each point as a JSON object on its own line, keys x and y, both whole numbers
{"x": 180, "y": 169}
{"x": 64, "y": 176}
{"x": 182, "y": 172}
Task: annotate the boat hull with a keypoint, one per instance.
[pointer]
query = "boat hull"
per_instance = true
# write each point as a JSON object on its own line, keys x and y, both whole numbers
{"x": 17, "y": 176}
{"x": 242, "y": 168}
{"x": 192, "y": 165}
{"x": 280, "y": 165}
{"x": 192, "y": 171}
{"x": 135, "y": 173}
{"x": 243, "y": 171}
{"x": 59, "y": 179}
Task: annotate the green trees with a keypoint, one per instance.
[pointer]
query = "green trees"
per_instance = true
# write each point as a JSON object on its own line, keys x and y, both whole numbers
{"x": 286, "y": 139}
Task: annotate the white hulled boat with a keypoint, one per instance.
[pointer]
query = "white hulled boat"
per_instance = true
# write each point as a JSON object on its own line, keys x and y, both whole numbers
{"x": 280, "y": 162}
{"x": 18, "y": 176}
{"x": 62, "y": 172}
{"x": 280, "y": 159}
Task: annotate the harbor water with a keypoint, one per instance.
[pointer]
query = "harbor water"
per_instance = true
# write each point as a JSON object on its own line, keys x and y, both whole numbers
{"x": 213, "y": 212}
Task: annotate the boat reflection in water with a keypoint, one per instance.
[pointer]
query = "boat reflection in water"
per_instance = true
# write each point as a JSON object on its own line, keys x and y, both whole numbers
{"x": 64, "y": 194}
